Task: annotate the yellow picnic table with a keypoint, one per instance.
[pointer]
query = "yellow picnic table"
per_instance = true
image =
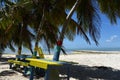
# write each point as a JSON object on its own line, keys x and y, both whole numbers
{"x": 49, "y": 65}
{"x": 42, "y": 63}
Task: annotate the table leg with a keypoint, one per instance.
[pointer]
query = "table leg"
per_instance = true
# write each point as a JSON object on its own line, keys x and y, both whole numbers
{"x": 31, "y": 73}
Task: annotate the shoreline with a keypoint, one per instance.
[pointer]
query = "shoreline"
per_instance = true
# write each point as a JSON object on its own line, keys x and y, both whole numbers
{"x": 76, "y": 52}
{"x": 95, "y": 52}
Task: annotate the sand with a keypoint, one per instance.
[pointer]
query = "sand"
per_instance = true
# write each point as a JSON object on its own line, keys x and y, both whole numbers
{"x": 88, "y": 65}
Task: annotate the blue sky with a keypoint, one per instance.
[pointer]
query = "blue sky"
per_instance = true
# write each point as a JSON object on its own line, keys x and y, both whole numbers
{"x": 110, "y": 37}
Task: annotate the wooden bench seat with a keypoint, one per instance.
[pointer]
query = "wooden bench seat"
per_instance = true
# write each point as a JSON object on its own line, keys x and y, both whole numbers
{"x": 21, "y": 63}
{"x": 43, "y": 63}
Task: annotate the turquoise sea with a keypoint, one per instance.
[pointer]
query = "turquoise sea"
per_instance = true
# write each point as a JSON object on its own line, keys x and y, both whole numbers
{"x": 97, "y": 49}
{"x": 26, "y": 51}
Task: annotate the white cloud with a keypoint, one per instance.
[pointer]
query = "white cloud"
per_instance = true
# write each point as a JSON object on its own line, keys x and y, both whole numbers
{"x": 112, "y": 38}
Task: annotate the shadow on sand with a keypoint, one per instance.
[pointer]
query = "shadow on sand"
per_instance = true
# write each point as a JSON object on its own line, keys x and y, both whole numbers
{"x": 7, "y": 73}
{"x": 3, "y": 59}
{"x": 82, "y": 72}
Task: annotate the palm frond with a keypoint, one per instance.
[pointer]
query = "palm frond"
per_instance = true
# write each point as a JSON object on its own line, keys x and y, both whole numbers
{"x": 89, "y": 20}
{"x": 110, "y": 8}
{"x": 64, "y": 52}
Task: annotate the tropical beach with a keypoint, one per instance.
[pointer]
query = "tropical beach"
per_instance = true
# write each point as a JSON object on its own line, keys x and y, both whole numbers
{"x": 86, "y": 65}
{"x": 77, "y": 28}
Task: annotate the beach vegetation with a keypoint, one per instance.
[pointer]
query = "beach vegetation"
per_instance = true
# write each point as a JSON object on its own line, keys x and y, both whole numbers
{"x": 15, "y": 21}
{"x": 50, "y": 21}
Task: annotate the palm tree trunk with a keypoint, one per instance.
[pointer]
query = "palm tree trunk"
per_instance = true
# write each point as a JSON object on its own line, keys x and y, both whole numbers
{"x": 31, "y": 50}
{"x": 60, "y": 41}
{"x": 38, "y": 32}
{"x": 0, "y": 55}
{"x": 19, "y": 50}
{"x": 20, "y": 40}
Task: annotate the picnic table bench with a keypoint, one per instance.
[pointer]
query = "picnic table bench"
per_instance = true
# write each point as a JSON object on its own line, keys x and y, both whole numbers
{"x": 20, "y": 60}
{"x": 18, "y": 63}
{"x": 51, "y": 67}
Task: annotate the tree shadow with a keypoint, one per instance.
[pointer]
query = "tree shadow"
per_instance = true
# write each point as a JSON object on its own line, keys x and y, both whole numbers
{"x": 3, "y": 59}
{"x": 7, "y": 73}
{"x": 3, "y": 63}
{"x": 82, "y": 72}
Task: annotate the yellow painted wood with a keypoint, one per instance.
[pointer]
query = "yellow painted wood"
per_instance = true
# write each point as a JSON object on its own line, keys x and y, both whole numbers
{"x": 19, "y": 62}
{"x": 42, "y": 63}
{"x": 37, "y": 64}
{"x": 40, "y": 52}
{"x": 10, "y": 61}
{"x": 24, "y": 63}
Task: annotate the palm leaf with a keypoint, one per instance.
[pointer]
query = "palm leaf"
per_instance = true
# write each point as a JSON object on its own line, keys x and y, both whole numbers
{"x": 64, "y": 52}
{"x": 88, "y": 19}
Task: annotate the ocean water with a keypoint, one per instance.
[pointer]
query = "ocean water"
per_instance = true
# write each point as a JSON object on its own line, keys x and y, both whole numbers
{"x": 107, "y": 50}
{"x": 100, "y": 49}
{"x": 68, "y": 51}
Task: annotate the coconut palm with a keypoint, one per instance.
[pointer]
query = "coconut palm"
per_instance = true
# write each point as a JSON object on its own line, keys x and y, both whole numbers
{"x": 22, "y": 17}
{"x": 54, "y": 13}
{"x": 4, "y": 38}
{"x": 51, "y": 14}
{"x": 46, "y": 25}
{"x": 16, "y": 22}
{"x": 88, "y": 18}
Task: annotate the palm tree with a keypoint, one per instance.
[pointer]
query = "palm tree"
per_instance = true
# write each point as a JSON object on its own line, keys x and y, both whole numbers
{"x": 16, "y": 23}
{"x": 53, "y": 13}
{"x": 46, "y": 26}
{"x": 88, "y": 19}
{"x": 4, "y": 38}
{"x": 21, "y": 20}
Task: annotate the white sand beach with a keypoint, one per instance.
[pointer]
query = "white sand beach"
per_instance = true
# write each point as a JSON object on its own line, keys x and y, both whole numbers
{"x": 90, "y": 65}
